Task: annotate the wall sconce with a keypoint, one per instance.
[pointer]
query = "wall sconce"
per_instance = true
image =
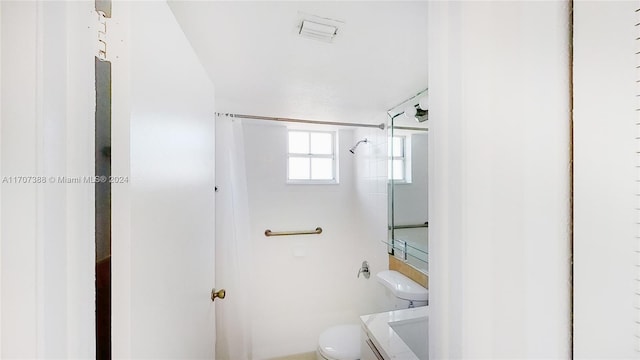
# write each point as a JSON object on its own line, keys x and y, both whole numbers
{"x": 410, "y": 112}
{"x": 424, "y": 102}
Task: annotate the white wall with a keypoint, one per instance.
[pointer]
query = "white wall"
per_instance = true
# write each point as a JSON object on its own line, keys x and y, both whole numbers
{"x": 46, "y": 241}
{"x": 304, "y": 284}
{"x": 605, "y": 156}
{"x": 499, "y": 129}
{"x": 19, "y": 298}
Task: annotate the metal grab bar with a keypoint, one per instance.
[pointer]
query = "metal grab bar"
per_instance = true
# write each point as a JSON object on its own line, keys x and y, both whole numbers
{"x": 426, "y": 224}
{"x": 318, "y": 230}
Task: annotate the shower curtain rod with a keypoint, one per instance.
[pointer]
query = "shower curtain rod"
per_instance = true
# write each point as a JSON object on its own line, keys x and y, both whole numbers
{"x": 410, "y": 128}
{"x": 319, "y": 122}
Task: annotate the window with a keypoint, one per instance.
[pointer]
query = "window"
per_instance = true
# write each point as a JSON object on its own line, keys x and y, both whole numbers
{"x": 311, "y": 157}
{"x": 399, "y": 169}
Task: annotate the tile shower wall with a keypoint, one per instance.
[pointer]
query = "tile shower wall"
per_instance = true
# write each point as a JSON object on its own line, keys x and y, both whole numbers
{"x": 304, "y": 284}
{"x": 371, "y": 189}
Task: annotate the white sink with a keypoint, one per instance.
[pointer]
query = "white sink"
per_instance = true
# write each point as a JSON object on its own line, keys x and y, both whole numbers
{"x": 414, "y": 333}
{"x": 400, "y": 334}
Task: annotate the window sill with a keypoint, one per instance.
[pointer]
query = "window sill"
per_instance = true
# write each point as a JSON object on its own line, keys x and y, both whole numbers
{"x": 399, "y": 183}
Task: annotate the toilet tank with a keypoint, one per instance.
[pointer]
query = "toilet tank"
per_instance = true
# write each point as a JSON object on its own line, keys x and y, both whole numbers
{"x": 406, "y": 292}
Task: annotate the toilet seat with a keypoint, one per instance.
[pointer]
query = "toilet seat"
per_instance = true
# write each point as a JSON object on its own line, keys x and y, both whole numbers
{"x": 341, "y": 342}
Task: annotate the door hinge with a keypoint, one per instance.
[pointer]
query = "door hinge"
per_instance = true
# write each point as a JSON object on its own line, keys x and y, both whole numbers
{"x": 102, "y": 35}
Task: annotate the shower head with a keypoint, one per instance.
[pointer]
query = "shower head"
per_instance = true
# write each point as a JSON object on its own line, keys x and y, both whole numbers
{"x": 353, "y": 149}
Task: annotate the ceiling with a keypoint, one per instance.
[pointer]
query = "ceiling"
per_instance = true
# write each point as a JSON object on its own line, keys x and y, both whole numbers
{"x": 261, "y": 66}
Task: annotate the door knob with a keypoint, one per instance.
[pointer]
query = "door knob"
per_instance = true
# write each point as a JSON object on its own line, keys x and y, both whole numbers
{"x": 218, "y": 294}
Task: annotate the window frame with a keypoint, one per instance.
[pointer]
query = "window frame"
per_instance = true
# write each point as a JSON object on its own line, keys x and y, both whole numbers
{"x": 333, "y": 156}
{"x": 405, "y": 158}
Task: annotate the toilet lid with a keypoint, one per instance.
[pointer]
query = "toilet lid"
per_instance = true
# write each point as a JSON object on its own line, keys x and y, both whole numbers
{"x": 340, "y": 342}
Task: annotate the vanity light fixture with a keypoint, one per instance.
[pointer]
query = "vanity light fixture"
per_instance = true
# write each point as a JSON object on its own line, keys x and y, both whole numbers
{"x": 415, "y": 108}
{"x": 424, "y": 102}
{"x": 410, "y": 112}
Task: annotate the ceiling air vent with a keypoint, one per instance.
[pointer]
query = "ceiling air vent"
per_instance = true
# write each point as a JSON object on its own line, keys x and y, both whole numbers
{"x": 317, "y": 30}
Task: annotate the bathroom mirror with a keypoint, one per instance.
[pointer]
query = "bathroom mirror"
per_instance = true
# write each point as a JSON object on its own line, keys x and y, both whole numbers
{"x": 408, "y": 236}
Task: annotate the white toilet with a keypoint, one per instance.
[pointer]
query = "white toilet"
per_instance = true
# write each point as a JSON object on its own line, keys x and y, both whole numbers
{"x": 406, "y": 292}
{"x": 342, "y": 342}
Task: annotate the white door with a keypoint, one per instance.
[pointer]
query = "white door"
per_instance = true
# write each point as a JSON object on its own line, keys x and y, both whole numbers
{"x": 163, "y": 218}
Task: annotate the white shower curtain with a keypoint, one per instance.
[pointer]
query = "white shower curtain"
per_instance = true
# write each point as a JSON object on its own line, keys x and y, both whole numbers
{"x": 233, "y": 250}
